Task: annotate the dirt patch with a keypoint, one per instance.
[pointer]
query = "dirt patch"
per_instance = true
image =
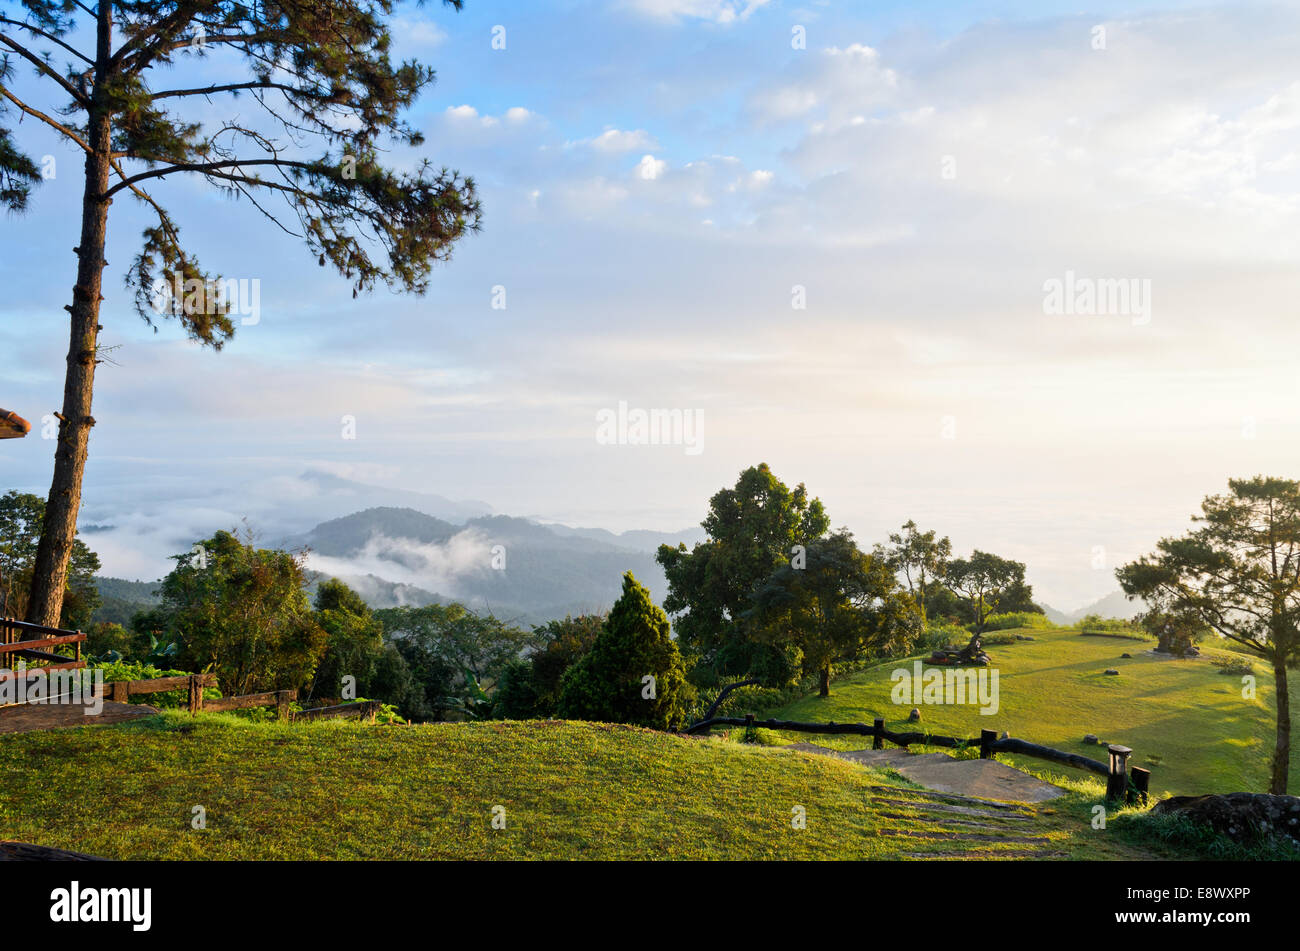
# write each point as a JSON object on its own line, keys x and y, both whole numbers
{"x": 54, "y": 716}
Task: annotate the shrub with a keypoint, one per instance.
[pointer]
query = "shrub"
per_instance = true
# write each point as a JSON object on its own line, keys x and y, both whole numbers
{"x": 1106, "y": 625}
{"x": 117, "y": 670}
{"x": 1234, "y": 665}
{"x": 942, "y": 635}
{"x": 606, "y": 684}
{"x": 1014, "y": 619}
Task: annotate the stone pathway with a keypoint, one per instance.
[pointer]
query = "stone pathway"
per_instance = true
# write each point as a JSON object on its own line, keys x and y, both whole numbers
{"x": 981, "y": 778}
{"x": 978, "y": 802}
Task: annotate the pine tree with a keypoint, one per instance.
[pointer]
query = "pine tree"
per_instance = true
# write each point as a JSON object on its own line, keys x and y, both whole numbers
{"x": 326, "y": 102}
{"x": 610, "y": 682}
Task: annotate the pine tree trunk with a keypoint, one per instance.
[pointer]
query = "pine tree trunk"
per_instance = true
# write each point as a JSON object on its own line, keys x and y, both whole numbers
{"x": 1282, "y": 751}
{"x": 49, "y": 578}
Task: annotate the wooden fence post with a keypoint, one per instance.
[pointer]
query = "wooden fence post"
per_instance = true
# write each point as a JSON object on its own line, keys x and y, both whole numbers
{"x": 878, "y": 741}
{"x": 196, "y": 694}
{"x": 986, "y": 743}
{"x": 1141, "y": 783}
{"x": 121, "y": 691}
{"x": 282, "y": 699}
{"x": 1117, "y": 780}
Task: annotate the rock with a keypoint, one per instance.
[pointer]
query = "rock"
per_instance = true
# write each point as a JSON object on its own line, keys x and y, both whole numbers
{"x": 1126, "y": 655}
{"x": 1242, "y": 816}
{"x": 1005, "y": 735}
{"x": 1023, "y": 637}
{"x": 1090, "y": 739}
{"x": 914, "y": 715}
{"x": 1112, "y": 672}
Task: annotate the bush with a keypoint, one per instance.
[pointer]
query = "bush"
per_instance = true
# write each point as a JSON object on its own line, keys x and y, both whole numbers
{"x": 1014, "y": 619}
{"x": 937, "y": 636}
{"x": 606, "y": 684}
{"x": 1095, "y": 623}
{"x": 118, "y": 670}
{"x": 1234, "y": 665}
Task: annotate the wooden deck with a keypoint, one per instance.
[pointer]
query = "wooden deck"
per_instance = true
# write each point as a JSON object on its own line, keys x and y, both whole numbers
{"x": 54, "y": 716}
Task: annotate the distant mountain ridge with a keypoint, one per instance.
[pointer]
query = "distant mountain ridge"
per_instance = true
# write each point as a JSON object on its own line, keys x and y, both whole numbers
{"x": 518, "y": 568}
{"x": 1114, "y": 605}
{"x": 515, "y": 567}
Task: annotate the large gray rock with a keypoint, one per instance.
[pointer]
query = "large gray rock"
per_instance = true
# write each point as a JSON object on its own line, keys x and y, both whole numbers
{"x": 1241, "y": 816}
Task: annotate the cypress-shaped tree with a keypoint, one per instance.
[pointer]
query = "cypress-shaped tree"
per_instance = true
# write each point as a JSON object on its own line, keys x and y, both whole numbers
{"x": 609, "y": 682}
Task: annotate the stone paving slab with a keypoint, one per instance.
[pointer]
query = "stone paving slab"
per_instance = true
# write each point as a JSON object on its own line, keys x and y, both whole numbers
{"x": 985, "y": 778}
{"x": 977, "y": 778}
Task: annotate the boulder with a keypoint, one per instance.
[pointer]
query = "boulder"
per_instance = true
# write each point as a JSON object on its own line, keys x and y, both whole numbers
{"x": 914, "y": 715}
{"x": 1241, "y": 816}
{"x": 1112, "y": 672}
{"x": 1126, "y": 655}
{"x": 1090, "y": 739}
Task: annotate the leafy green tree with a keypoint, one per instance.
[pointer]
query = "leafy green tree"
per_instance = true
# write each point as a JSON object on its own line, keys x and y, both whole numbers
{"x": 609, "y": 683}
{"x": 354, "y": 639}
{"x": 242, "y": 612}
{"x": 105, "y": 637}
{"x": 454, "y": 654}
{"x": 753, "y": 528}
{"x": 516, "y": 695}
{"x": 563, "y": 644}
{"x": 530, "y": 687}
{"x": 984, "y": 581}
{"x": 841, "y": 604}
{"x": 21, "y": 516}
{"x": 920, "y": 557}
{"x": 273, "y": 101}
{"x": 1238, "y": 572}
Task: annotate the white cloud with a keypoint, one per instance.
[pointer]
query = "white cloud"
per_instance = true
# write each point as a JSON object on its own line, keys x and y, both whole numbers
{"x": 650, "y": 168}
{"x": 616, "y": 141}
{"x": 716, "y": 11}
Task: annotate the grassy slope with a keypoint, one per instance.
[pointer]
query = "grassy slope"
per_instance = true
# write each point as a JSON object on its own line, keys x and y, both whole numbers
{"x": 571, "y": 790}
{"x": 1185, "y": 721}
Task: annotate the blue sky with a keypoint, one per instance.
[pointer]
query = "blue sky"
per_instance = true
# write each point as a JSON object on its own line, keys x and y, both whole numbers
{"x": 658, "y": 177}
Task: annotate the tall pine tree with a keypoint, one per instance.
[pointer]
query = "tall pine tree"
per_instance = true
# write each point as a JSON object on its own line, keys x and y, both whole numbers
{"x": 326, "y": 100}
{"x": 633, "y": 672}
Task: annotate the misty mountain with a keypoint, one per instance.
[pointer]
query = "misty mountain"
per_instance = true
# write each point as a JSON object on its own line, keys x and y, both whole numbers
{"x": 515, "y": 567}
{"x": 520, "y": 569}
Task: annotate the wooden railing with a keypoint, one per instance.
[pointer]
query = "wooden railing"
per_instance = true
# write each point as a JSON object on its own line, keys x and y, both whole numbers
{"x": 1118, "y": 775}
{"x": 13, "y": 644}
{"x": 16, "y": 640}
{"x": 366, "y": 708}
{"x": 122, "y": 690}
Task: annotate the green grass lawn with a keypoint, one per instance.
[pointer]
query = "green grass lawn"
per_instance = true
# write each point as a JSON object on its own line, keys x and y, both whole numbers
{"x": 1185, "y": 721}
{"x": 570, "y": 790}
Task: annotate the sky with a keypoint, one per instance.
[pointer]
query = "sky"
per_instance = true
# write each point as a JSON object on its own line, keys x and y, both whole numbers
{"x": 1022, "y": 272}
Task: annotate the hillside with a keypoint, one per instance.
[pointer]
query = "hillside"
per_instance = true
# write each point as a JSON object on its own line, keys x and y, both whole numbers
{"x": 1184, "y": 720}
{"x": 569, "y": 790}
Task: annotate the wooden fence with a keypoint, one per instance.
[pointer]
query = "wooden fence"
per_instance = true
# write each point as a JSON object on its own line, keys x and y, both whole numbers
{"x": 17, "y": 640}
{"x": 366, "y": 708}
{"x": 120, "y": 691}
{"x": 1118, "y": 775}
